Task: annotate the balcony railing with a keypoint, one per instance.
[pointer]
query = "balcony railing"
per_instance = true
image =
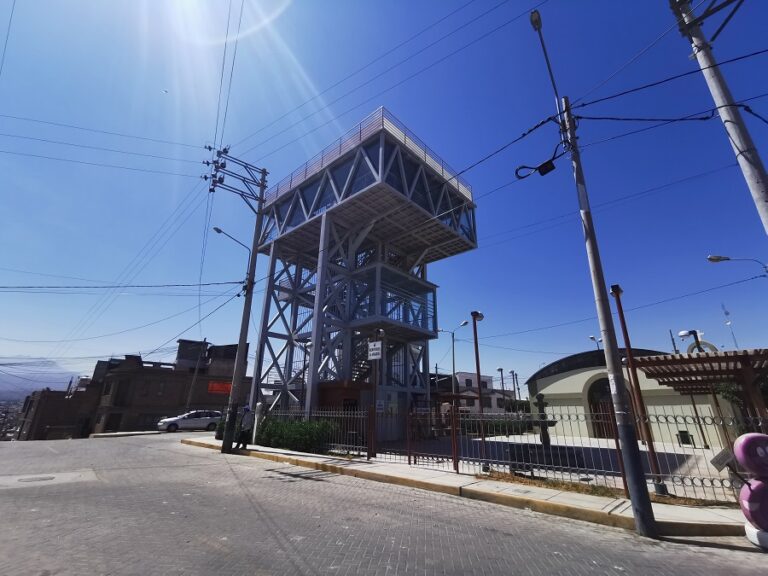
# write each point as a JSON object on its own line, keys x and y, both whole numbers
{"x": 379, "y": 119}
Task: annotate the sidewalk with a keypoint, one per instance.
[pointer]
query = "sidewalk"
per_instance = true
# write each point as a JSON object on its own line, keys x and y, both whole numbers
{"x": 672, "y": 520}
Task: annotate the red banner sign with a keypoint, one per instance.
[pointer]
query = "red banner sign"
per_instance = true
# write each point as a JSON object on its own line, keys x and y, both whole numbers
{"x": 219, "y": 387}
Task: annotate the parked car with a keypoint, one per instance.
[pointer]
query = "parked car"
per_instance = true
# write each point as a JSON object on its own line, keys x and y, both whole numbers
{"x": 197, "y": 420}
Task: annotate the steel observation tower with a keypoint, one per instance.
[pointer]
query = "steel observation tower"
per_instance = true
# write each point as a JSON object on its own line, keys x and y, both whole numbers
{"x": 349, "y": 235}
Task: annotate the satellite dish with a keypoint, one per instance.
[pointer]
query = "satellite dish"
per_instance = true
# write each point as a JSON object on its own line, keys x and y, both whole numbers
{"x": 707, "y": 346}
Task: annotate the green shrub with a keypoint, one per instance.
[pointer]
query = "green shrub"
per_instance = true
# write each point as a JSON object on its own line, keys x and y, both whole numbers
{"x": 300, "y": 435}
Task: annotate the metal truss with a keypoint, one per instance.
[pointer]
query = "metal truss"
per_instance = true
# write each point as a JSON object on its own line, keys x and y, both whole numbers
{"x": 348, "y": 250}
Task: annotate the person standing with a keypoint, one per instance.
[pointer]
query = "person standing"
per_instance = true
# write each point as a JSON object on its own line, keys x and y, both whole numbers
{"x": 246, "y": 429}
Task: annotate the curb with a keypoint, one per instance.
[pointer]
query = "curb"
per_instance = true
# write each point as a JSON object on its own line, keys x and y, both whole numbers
{"x": 122, "y": 434}
{"x": 666, "y": 528}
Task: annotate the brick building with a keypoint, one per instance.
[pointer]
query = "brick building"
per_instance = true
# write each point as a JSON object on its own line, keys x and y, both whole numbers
{"x": 131, "y": 394}
{"x": 55, "y": 414}
{"x": 135, "y": 394}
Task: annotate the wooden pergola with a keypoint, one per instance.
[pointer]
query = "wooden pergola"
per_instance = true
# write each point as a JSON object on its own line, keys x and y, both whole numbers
{"x": 700, "y": 374}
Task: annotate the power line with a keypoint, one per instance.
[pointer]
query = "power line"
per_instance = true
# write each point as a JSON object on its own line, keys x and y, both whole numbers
{"x": 195, "y": 285}
{"x": 167, "y": 229}
{"x": 640, "y": 307}
{"x": 209, "y": 200}
{"x": 195, "y": 324}
{"x": 392, "y": 87}
{"x": 696, "y": 116}
{"x": 632, "y": 59}
{"x": 97, "y": 131}
{"x": 52, "y": 275}
{"x": 232, "y": 72}
{"x": 102, "y": 148}
{"x": 355, "y": 73}
{"x": 397, "y": 64}
{"x": 669, "y": 79}
{"x": 99, "y": 164}
{"x": 7, "y": 35}
{"x": 598, "y": 206}
{"x": 133, "y": 329}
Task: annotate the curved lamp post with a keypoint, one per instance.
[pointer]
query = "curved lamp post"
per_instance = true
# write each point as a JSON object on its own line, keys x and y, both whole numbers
{"x": 714, "y": 258}
{"x": 453, "y": 357}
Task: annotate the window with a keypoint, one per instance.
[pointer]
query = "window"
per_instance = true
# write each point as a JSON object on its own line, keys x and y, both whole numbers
{"x": 486, "y": 402}
{"x": 483, "y": 383}
{"x": 499, "y": 402}
{"x": 107, "y": 388}
{"x": 470, "y": 401}
{"x": 468, "y": 382}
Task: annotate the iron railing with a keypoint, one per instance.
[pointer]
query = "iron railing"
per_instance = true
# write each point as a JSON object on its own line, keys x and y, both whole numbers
{"x": 381, "y": 118}
{"x": 570, "y": 444}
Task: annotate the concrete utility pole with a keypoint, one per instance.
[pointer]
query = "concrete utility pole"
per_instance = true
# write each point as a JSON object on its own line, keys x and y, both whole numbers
{"x": 645, "y": 522}
{"x": 746, "y": 154}
{"x": 241, "y": 359}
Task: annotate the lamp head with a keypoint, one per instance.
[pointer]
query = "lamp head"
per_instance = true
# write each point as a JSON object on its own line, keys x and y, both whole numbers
{"x": 463, "y": 323}
{"x": 686, "y": 333}
{"x": 217, "y": 229}
{"x": 477, "y": 315}
{"x": 500, "y": 369}
{"x": 536, "y": 20}
{"x": 715, "y": 258}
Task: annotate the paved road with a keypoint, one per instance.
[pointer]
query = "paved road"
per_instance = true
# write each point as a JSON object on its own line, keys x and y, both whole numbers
{"x": 152, "y": 506}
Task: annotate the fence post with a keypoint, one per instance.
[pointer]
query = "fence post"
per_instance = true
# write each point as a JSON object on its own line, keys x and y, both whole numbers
{"x": 371, "y": 432}
{"x": 408, "y": 435}
{"x": 454, "y": 439}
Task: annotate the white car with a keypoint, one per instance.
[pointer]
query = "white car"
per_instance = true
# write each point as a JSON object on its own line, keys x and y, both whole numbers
{"x": 197, "y": 420}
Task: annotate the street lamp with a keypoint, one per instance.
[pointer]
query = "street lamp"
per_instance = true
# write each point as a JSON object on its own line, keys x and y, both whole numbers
{"x": 500, "y": 370}
{"x": 453, "y": 357}
{"x": 220, "y": 231}
{"x": 714, "y": 258}
{"x": 596, "y": 341}
{"x": 478, "y": 317}
{"x": 695, "y": 333}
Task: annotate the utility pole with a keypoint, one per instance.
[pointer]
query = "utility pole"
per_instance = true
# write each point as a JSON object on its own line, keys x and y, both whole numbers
{"x": 743, "y": 146}
{"x": 645, "y": 522}
{"x": 253, "y": 186}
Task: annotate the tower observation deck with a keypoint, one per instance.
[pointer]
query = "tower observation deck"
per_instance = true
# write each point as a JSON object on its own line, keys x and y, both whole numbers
{"x": 349, "y": 235}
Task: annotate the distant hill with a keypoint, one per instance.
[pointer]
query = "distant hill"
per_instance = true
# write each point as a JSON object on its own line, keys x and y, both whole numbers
{"x": 17, "y": 381}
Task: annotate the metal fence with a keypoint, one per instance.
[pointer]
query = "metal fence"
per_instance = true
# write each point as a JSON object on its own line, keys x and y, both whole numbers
{"x": 569, "y": 444}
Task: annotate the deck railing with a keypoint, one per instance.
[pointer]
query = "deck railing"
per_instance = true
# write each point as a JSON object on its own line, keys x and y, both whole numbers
{"x": 379, "y": 119}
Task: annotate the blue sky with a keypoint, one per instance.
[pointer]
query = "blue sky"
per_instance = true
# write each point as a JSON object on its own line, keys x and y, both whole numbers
{"x": 153, "y": 68}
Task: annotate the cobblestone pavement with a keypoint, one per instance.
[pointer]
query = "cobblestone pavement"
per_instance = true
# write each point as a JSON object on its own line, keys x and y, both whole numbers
{"x": 151, "y": 506}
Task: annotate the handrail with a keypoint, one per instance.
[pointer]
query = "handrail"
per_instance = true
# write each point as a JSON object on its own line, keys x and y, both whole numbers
{"x": 381, "y": 118}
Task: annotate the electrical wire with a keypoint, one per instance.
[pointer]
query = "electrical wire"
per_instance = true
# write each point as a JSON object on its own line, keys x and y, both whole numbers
{"x": 7, "y": 35}
{"x": 710, "y": 114}
{"x": 100, "y": 164}
{"x": 353, "y": 74}
{"x": 640, "y": 307}
{"x": 668, "y": 79}
{"x": 328, "y": 105}
{"x": 97, "y": 131}
{"x": 195, "y": 324}
{"x": 167, "y": 229}
{"x": 392, "y": 87}
{"x": 18, "y": 287}
{"x": 232, "y": 72}
{"x": 102, "y": 148}
{"x": 109, "y": 334}
{"x": 210, "y": 197}
{"x": 634, "y": 58}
